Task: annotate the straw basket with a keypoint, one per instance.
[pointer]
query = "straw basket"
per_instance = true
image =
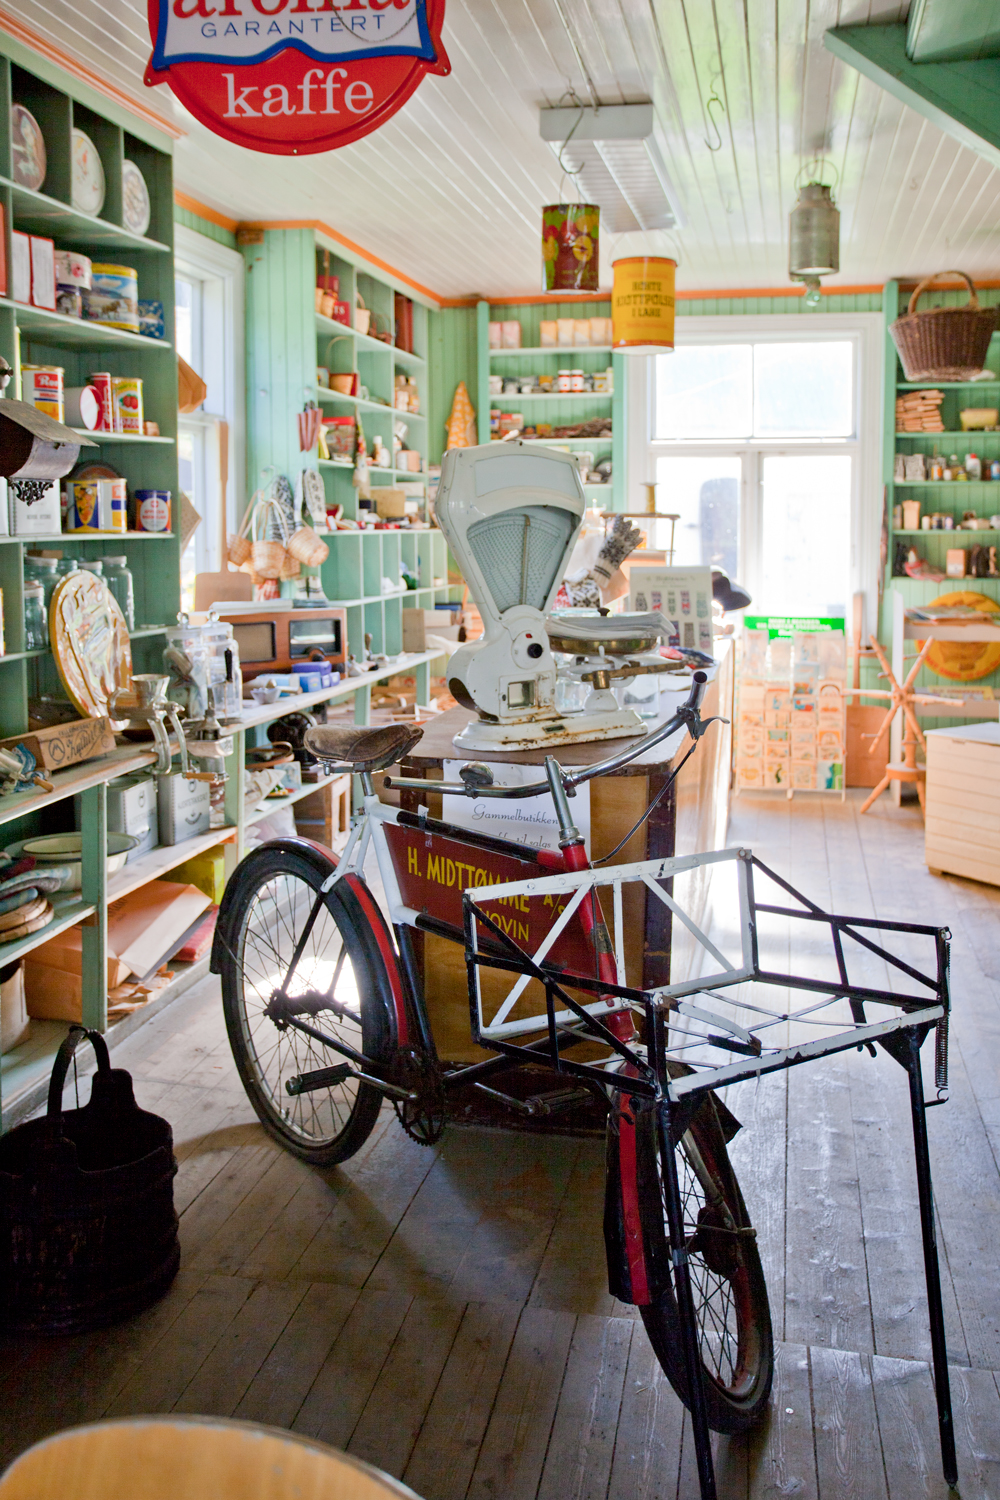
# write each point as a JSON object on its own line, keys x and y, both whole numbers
{"x": 290, "y": 567}
{"x": 308, "y": 547}
{"x": 239, "y": 543}
{"x": 267, "y": 557}
{"x": 944, "y": 343}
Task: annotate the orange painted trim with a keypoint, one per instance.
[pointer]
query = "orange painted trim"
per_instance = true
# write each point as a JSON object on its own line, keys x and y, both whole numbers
{"x": 341, "y": 239}
{"x": 51, "y": 53}
{"x": 697, "y": 294}
{"x": 202, "y": 211}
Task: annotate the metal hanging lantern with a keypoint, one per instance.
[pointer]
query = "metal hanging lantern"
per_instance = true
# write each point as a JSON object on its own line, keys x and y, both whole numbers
{"x": 570, "y": 246}
{"x": 813, "y": 238}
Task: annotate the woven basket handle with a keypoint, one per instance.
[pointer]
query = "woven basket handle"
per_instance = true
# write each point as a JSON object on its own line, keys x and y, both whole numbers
{"x": 973, "y": 299}
{"x": 61, "y": 1065}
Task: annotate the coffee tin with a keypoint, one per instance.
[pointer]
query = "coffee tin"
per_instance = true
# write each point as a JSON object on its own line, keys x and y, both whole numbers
{"x": 113, "y": 297}
{"x": 126, "y": 397}
{"x": 97, "y": 505}
{"x": 42, "y": 387}
{"x": 152, "y": 510}
{"x": 102, "y": 385}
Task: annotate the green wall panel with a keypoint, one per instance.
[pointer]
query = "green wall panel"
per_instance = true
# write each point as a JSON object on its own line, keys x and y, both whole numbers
{"x": 204, "y": 226}
{"x": 452, "y": 357}
{"x": 281, "y": 339}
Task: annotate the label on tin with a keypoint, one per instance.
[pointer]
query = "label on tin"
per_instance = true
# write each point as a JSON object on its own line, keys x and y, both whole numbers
{"x": 153, "y": 510}
{"x": 42, "y": 387}
{"x": 127, "y": 399}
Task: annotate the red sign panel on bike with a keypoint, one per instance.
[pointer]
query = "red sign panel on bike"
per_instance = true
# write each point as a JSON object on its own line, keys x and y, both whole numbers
{"x": 292, "y": 77}
{"x": 433, "y": 871}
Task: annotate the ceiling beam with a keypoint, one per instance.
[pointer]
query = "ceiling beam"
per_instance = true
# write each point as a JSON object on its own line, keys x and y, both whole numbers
{"x": 960, "y": 98}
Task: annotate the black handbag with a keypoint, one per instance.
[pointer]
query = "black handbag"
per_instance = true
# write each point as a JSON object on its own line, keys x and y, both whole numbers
{"x": 88, "y": 1231}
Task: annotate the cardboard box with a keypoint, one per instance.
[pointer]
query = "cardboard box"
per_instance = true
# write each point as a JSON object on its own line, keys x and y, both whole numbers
{"x": 207, "y": 871}
{"x": 390, "y": 504}
{"x": 183, "y": 808}
{"x": 414, "y": 630}
{"x": 144, "y": 925}
{"x": 65, "y": 952}
{"x": 20, "y": 260}
{"x": 66, "y": 744}
{"x": 954, "y": 562}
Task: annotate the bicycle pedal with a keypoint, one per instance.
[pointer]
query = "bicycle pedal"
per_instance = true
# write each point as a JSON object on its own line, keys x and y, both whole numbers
{"x": 558, "y": 1099}
{"x": 322, "y": 1078}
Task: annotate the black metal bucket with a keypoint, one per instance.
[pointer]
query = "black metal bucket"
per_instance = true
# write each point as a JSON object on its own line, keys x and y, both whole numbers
{"x": 88, "y": 1231}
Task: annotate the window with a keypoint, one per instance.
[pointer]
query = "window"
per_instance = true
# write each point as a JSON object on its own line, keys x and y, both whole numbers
{"x": 762, "y": 446}
{"x": 209, "y": 336}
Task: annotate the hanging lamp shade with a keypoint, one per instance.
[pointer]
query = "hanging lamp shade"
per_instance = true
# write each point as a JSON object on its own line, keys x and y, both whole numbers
{"x": 813, "y": 238}
{"x": 570, "y": 234}
{"x": 642, "y": 304}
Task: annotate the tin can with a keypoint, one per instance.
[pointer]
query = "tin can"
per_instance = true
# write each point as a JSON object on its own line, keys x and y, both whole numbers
{"x": 152, "y": 510}
{"x": 995, "y": 469}
{"x": 126, "y": 398}
{"x": 576, "y": 380}
{"x": 113, "y": 297}
{"x": 83, "y": 511}
{"x": 937, "y": 469}
{"x": 114, "y": 504}
{"x": 563, "y": 381}
{"x": 102, "y": 385}
{"x": 42, "y": 387}
{"x": 73, "y": 269}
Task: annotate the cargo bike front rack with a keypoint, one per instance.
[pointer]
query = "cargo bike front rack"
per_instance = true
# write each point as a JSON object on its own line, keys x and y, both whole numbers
{"x": 723, "y": 1027}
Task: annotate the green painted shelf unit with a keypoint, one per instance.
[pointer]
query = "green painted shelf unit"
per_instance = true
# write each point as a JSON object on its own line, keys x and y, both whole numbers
{"x": 61, "y": 103}
{"x": 532, "y": 358}
{"x": 953, "y": 497}
{"x": 287, "y": 343}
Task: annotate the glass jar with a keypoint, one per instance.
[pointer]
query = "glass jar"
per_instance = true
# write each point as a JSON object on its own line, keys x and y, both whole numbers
{"x": 67, "y": 565}
{"x": 36, "y": 630}
{"x": 42, "y": 570}
{"x": 97, "y": 568}
{"x": 563, "y": 380}
{"x": 119, "y": 580}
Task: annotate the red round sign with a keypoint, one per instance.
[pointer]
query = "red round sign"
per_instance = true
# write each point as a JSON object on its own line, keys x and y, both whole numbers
{"x": 292, "y": 77}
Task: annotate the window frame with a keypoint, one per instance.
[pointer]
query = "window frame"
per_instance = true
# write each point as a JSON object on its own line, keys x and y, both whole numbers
{"x": 865, "y": 330}
{"x": 220, "y": 272}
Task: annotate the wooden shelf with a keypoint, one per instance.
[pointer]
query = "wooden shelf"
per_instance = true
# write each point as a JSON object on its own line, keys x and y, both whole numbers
{"x": 161, "y": 861}
{"x": 558, "y": 396}
{"x": 272, "y": 804}
{"x": 560, "y": 351}
{"x": 69, "y": 909}
{"x": 37, "y": 213}
{"x": 976, "y": 432}
{"x": 56, "y": 328}
{"x": 948, "y": 484}
{"x": 364, "y": 342}
{"x": 946, "y": 385}
{"x": 128, "y": 438}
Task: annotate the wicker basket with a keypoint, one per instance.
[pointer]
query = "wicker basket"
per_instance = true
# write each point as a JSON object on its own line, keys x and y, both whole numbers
{"x": 290, "y": 567}
{"x": 267, "y": 556}
{"x": 239, "y": 543}
{"x": 308, "y": 547}
{"x": 945, "y": 343}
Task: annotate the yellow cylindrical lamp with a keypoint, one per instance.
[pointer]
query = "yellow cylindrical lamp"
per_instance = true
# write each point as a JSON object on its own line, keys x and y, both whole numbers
{"x": 642, "y": 304}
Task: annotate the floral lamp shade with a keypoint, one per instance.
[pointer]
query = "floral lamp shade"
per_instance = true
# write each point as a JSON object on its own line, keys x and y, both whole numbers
{"x": 570, "y": 234}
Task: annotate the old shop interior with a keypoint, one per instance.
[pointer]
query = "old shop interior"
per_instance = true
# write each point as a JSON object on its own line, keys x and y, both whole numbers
{"x": 498, "y": 696}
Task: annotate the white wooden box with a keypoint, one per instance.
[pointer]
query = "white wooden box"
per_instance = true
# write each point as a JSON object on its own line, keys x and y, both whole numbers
{"x": 962, "y": 817}
{"x": 183, "y": 808}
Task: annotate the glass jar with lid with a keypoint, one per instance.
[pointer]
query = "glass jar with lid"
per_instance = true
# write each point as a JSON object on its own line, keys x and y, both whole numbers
{"x": 119, "y": 580}
{"x": 42, "y": 570}
{"x": 96, "y": 567}
{"x": 36, "y": 630}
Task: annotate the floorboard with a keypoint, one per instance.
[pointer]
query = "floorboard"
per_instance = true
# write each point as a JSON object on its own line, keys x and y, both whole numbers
{"x": 444, "y": 1312}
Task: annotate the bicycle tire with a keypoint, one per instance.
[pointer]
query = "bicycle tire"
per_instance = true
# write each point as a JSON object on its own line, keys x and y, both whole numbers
{"x": 266, "y": 903}
{"x": 735, "y": 1338}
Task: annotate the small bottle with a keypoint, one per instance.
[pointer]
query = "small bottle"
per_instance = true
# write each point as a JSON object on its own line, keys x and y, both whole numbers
{"x": 973, "y": 467}
{"x": 995, "y": 469}
{"x": 937, "y": 468}
{"x": 563, "y": 380}
{"x": 36, "y": 631}
{"x": 119, "y": 580}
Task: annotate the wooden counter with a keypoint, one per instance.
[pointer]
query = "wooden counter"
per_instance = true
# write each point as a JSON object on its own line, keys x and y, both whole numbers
{"x": 692, "y": 815}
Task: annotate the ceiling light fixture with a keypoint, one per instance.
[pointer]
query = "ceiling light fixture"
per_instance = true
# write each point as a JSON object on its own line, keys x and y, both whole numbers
{"x": 614, "y": 160}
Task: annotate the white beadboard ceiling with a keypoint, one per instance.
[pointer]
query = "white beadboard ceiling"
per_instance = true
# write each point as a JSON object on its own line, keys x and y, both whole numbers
{"x": 450, "y": 190}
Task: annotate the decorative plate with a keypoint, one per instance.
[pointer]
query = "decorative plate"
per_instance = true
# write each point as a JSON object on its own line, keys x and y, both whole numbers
{"x": 96, "y": 470}
{"x": 87, "y": 189}
{"x": 27, "y": 147}
{"x": 964, "y": 661}
{"x": 135, "y": 198}
{"x": 90, "y": 643}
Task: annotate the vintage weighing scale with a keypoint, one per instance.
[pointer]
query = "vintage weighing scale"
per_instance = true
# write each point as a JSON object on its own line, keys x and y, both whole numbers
{"x": 511, "y": 520}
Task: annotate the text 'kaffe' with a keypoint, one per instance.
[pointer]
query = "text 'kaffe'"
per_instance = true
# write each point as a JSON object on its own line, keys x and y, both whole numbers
{"x": 292, "y": 77}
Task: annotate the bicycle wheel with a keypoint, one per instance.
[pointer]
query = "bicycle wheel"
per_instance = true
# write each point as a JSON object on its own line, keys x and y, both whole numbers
{"x": 340, "y": 986}
{"x": 727, "y": 1280}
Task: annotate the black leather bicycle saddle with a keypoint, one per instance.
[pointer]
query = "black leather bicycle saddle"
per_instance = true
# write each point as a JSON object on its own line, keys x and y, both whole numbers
{"x": 364, "y": 749}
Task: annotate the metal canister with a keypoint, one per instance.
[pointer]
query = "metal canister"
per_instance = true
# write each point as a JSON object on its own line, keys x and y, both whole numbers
{"x": 102, "y": 385}
{"x": 42, "y": 387}
{"x": 84, "y": 510}
{"x": 126, "y": 397}
{"x": 113, "y": 297}
{"x": 152, "y": 510}
{"x": 114, "y": 504}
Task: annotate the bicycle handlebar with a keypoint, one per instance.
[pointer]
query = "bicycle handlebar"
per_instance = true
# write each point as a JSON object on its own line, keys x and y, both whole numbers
{"x": 686, "y": 717}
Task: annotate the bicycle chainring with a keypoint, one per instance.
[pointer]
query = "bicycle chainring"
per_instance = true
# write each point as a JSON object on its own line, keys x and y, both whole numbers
{"x": 424, "y": 1117}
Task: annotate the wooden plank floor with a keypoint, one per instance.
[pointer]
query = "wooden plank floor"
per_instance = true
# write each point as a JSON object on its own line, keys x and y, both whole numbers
{"x": 444, "y": 1313}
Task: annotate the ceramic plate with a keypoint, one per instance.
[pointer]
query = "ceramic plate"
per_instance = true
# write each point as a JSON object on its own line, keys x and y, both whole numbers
{"x": 58, "y": 845}
{"x": 96, "y": 470}
{"x": 27, "y": 146}
{"x": 135, "y": 198}
{"x": 87, "y": 192}
{"x": 89, "y": 640}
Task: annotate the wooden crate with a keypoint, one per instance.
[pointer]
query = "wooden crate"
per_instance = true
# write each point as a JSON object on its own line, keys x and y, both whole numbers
{"x": 962, "y": 821}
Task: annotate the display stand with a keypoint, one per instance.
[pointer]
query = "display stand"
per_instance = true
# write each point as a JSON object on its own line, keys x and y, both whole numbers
{"x": 791, "y": 731}
{"x": 735, "y": 1008}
